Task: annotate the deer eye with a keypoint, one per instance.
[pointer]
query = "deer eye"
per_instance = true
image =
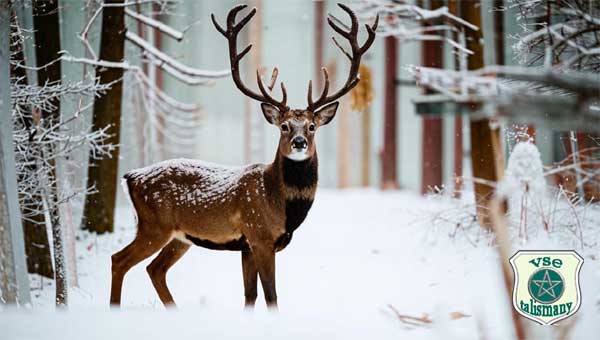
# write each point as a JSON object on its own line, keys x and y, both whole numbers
{"x": 311, "y": 127}
{"x": 285, "y": 128}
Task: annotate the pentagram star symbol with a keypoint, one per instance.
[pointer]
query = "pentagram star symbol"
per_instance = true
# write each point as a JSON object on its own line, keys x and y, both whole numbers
{"x": 546, "y": 285}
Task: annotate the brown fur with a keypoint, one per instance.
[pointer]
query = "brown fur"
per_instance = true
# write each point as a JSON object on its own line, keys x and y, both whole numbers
{"x": 182, "y": 202}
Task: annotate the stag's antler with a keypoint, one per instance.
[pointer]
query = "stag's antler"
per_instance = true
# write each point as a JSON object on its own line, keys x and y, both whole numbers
{"x": 354, "y": 55}
{"x": 231, "y": 34}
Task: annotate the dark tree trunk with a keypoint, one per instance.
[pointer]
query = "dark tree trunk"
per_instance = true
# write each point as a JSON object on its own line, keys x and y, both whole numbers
{"x": 160, "y": 118}
{"x": 432, "y": 133}
{"x": 458, "y": 123}
{"x": 388, "y": 155}
{"x": 487, "y": 158}
{"x": 37, "y": 247}
{"x": 99, "y": 209}
{"x": 47, "y": 40}
{"x": 499, "y": 31}
{"x": 319, "y": 8}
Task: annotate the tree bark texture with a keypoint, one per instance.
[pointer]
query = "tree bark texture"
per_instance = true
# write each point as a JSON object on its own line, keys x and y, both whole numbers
{"x": 99, "y": 209}
{"x": 389, "y": 178}
{"x": 432, "y": 131}
{"x": 47, "y": 40}
{"x": 486, "y": 153}
{"x": 453, "y": 8}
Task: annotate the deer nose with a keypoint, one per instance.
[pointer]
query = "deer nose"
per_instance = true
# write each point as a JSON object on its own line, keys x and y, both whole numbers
{"x": 299, "y": 142}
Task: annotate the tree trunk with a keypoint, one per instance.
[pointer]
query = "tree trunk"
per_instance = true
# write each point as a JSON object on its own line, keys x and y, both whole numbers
{"x": 388, "y": 154}
{"x": 320, "y": 17}
{"x": 254, "y": 149}
{"x": 432, "y": 133}
{"x": 499, "y": 32}
{"x": 487, "y": 158}
{"x": 14, "y": 285}
{"x": 47, "y": 39}
{"x": 140, "y": 113}
{"x": 343, "y": 143}
{"x": 458, "y": 124}
{"x": 99, "y": 209}
{"x": 37, "y": 247}
{"x": 161, "y": 148}
{"x": 366, "y": 147}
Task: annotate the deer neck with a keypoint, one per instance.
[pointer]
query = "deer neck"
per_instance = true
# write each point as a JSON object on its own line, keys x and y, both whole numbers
{"x": 295, "y": 180}
{"x": 296, "y": 184}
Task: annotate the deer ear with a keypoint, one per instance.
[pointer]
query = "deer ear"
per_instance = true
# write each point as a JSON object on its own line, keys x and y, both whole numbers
{"x": 326, "y": 113}
{"x": 270, "y": 112}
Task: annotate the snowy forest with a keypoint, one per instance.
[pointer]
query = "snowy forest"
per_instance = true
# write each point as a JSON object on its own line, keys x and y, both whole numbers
{"x": 147, "y": 145}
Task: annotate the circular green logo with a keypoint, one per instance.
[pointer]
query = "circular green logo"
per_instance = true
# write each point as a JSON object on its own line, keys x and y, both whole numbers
{"x": 546, "y": 285}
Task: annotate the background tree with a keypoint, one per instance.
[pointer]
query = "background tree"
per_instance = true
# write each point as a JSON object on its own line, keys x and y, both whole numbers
{"x": 47, "y": 40}
{"x": 14, "y": 285}
{"x": 99, "y": 208}
{"x": 432, "y": 130}
{"x": 487, "y": 158}
{"x": 389, "y": 174}
{"x": 37, "y": 248}
{"x": 453, "y": 6}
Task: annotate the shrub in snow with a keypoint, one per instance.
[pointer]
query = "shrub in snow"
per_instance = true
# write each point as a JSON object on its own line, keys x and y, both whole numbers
{"x": 524, "y": 170}
{"x": 524, "y": 186}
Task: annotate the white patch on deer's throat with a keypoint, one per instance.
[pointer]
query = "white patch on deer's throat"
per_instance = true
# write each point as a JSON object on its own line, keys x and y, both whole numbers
{"x": 298, "y": 155}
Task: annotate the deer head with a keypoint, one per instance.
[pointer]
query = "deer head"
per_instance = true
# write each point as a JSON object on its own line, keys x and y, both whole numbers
{"x": 297, "y": 126}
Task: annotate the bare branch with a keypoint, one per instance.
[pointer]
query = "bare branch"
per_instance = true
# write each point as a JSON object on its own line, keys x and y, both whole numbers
{"x": 168, "y": 30}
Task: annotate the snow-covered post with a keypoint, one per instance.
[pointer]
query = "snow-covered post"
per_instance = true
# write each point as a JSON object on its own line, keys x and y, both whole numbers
{"x": 14, "y": 284}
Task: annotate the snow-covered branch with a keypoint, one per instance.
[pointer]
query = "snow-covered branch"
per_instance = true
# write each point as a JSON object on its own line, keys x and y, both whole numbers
{"x": 174, "y": 64}
{"x": 494, "y": 80}
{"x": 40, "y": 143}
{"x": 408, "y": 22}
{"x": 561, "y": 34}
{"x": 168, "y": 30}
{"x": 524, "y": 95}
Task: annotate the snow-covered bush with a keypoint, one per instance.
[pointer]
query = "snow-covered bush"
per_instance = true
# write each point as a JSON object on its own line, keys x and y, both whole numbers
{"x": 525, "y": 188}
{"x": 538, "y": 212}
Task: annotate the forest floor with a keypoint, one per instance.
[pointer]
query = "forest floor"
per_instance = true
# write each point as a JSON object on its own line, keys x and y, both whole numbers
{"x": 361, "y": 258}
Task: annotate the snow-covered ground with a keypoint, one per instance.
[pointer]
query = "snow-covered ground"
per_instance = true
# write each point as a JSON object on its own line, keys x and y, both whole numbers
{"x": 360, "y": 257}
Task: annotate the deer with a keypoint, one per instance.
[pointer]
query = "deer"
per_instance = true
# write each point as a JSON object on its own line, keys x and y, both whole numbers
{"x": 253, "y": 209}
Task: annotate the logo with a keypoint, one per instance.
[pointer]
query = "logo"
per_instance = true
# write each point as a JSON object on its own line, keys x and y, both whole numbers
{"x": 546, "y": 287}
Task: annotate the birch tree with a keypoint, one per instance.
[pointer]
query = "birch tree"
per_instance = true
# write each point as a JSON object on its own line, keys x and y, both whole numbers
{"x": 14, "y": 285}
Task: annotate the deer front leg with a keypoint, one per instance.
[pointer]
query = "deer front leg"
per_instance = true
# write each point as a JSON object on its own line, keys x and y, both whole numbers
{"x": 265, "y": 263}
{"x": 250, "y": 279}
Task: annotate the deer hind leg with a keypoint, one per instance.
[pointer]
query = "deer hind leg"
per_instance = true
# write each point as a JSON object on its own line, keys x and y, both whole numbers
{"x": 142, "y": 247}
{"x": 265, "y": 263}
{"x": 157, "y": 270}
{"x": 250, "y": 279}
